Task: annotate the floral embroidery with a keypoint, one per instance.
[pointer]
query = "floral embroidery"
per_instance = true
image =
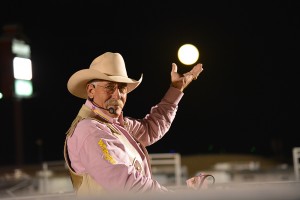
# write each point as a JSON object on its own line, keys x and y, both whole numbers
{"x": 106, "y": 154}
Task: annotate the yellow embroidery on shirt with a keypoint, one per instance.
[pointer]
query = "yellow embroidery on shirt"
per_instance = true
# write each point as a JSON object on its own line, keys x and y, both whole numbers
{"x": 106, "y": 154}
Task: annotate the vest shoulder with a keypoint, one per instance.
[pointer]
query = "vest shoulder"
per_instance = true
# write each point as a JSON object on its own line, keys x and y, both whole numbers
{"x": 91, "y": 123}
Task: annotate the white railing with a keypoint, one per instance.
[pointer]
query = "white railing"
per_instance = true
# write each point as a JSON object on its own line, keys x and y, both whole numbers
{"x": 167, "y": 163}
{"x": 53, "y": 178}
{"x": 296, "y": 160}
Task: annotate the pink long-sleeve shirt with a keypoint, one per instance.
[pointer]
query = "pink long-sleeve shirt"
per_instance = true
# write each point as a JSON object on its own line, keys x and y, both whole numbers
{"x": 95, "y": 150}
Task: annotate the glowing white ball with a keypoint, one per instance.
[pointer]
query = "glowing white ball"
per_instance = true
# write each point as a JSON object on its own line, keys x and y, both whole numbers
{"x": 188, "y": 54}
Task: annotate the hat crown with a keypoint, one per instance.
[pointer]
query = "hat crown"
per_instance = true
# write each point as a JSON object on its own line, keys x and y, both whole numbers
{"x": 108, "y": 66}
{"x": 111, "y": 64}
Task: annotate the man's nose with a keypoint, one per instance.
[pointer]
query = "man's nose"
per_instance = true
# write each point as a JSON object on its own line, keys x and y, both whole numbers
{"x": 116, "y": 94}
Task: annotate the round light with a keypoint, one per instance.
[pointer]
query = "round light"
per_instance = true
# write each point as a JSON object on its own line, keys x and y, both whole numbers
{"x": 188, "y": 54}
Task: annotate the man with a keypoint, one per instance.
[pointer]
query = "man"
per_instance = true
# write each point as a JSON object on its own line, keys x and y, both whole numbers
{"x": 105, "y": 150}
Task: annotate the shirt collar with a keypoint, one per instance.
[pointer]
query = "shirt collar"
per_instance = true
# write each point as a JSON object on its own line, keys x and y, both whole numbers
{"x": 99, "y": 112}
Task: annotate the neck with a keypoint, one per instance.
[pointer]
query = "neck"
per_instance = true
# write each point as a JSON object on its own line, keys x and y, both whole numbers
{"x": 111, "y": 110}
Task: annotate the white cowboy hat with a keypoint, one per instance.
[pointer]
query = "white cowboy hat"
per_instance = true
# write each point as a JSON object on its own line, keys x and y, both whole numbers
{"x": 108, "y": 66}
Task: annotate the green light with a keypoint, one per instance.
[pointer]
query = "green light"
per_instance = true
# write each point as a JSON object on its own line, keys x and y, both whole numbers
{"x": 23, "y": 88}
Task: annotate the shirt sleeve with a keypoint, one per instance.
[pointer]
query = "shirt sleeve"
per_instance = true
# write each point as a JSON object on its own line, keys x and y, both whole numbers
{"x": 156, "y": 124}
{"x": 104, "y": 158}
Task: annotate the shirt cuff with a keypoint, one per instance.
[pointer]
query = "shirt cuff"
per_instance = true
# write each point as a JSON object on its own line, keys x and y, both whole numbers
{"x": 173, "y": 95}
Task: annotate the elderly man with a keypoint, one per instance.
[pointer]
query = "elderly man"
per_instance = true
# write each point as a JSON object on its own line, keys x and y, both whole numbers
{"x": 105, "y": 151}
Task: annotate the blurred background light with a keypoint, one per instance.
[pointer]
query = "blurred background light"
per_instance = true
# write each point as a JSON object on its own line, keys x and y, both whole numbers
{"x": 23, "y": 88}
{"x": 19, "y": 47}
{"x": 22, "y": 68}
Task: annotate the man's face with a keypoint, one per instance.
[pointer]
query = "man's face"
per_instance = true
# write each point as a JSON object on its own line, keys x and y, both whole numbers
{"x": 108, "y": 94}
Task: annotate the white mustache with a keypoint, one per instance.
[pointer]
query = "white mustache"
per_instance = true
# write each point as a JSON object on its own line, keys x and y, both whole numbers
{"x": 114, "y": 102}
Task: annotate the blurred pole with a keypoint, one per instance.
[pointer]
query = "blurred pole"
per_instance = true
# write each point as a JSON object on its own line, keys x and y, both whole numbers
{"x": 39, "y": 143}
{"x": 18, "y": 123}
{"x": 15, "y": 58}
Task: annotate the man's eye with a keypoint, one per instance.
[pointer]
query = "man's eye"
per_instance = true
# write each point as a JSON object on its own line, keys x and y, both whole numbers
{"x": 110, "y": 87}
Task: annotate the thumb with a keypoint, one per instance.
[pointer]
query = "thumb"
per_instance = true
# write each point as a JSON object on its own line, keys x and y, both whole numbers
{"x": 174, "y": 67}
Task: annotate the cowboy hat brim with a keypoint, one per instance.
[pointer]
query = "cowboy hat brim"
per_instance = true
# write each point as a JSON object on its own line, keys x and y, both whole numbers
{"x": 78, "y": 81}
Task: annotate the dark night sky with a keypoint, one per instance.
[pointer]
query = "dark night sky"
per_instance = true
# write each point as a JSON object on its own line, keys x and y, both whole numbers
{"x": 245, "y": 101}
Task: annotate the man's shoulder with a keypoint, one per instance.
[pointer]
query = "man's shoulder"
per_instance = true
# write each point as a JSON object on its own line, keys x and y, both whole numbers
{"x": 90, "y": 125}
{"x": 91, "y": 122}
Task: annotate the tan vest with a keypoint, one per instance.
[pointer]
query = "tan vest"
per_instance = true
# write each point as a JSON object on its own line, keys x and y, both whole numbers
{"x": 84, "y": 184}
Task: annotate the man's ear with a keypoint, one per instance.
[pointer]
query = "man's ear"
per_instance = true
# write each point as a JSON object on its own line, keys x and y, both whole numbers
{"x": 90, "y": 89}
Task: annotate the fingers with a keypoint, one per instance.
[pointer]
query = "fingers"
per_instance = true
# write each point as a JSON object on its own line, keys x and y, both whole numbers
{"x": 197, "y": 181}
{"x": 174, "y": 67}
{"x": 194, "y": 182}
{"x": 191, "y": 183}
{"x": 189, "y": 76}
{"x": 197, "y": 68}
{"x": 196, "y": 71}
